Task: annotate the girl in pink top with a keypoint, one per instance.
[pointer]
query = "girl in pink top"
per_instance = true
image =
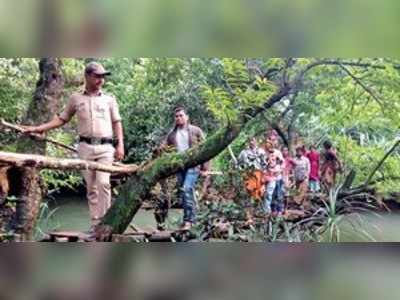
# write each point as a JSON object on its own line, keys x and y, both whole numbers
{"x": 288, "y": 167}
{"x": 314, "y": 158}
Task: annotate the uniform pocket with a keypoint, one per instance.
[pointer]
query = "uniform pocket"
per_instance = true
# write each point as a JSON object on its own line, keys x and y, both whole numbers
{"x": 82, "y": 110}
{"x": 101, "y": 110}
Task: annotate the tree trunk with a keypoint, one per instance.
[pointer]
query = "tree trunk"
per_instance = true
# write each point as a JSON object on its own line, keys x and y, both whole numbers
{"x": 291, "y": 138}
{"x": 137, "y": 188}
{"x": 44, "y": 106}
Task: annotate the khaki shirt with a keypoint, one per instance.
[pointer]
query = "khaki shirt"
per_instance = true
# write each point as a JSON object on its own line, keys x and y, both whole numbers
{"x": 96, "y": 114}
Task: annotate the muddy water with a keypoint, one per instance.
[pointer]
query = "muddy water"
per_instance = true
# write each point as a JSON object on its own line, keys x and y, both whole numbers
{"x": 72, "y": 214}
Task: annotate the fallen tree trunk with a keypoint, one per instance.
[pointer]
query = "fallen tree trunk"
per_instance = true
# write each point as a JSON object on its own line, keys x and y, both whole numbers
{"x": 44, "y": 162}
{"x": 137, "y": 188}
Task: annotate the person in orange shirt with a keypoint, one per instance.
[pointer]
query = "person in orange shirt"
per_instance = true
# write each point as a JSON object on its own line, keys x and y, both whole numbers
{"x": 253, "y": 160}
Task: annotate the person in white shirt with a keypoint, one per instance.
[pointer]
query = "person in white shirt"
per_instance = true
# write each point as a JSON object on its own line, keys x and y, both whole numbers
{"x": 183, "y": 137}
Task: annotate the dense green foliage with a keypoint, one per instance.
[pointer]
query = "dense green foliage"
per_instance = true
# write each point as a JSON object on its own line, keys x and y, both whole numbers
{"x": 353, "y": 102}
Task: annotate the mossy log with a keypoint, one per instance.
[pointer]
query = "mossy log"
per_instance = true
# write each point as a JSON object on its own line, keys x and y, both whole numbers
{"x": 137, "y": 188}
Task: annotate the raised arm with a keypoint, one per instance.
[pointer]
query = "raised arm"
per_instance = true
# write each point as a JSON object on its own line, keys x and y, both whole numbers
{"x": 57, "y": 121}
{"x": 54, "y": 123}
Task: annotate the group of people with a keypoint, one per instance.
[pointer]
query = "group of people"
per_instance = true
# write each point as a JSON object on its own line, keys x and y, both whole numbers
{"x": 271, "y": 172}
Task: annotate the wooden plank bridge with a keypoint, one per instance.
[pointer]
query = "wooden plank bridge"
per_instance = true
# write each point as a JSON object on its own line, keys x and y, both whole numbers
{"x": 132, "y": 237}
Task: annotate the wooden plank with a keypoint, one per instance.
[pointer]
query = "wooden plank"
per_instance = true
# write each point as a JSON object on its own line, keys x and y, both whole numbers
{"x": 133, "y": 237}
{"x": 72, "y": 235}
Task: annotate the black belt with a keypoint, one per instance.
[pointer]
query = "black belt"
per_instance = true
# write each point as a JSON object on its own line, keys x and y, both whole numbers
{"x": 95, "y": 140}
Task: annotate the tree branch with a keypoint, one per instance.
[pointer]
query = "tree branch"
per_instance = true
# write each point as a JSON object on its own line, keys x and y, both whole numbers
{"x": 357, "y": 64}
{"x": 138, "y": 186}
{"x": 380, "y": 163}
{"x": 44, "y": 162}
{"x": 280, "y": 132}
{"x": 19, "y": 129}
{"x": 360, "y": 83}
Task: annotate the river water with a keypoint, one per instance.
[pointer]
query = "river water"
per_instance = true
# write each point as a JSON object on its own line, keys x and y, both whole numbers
{"x": 71, "y": 214}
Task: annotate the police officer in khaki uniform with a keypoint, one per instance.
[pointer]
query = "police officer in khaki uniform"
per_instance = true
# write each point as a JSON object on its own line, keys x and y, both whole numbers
{"x": 98, "y": 122}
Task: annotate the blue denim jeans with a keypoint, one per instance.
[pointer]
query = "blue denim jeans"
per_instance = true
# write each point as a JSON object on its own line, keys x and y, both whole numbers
{"x": 187, "y": 181}
{"x": 274, "y": 196}
{"x": 314, "y": 186}
{"x": 278, "y": 203}
{"x": 268, "y": 196}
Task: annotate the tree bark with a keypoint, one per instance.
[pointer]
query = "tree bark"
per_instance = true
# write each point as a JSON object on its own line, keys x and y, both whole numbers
{"x": 44, "y": 106}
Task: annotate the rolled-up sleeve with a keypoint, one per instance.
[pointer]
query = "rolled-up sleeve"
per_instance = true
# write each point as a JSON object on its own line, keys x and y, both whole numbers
{"x": 69, "y": 110}
{"x": 115, "y": 116}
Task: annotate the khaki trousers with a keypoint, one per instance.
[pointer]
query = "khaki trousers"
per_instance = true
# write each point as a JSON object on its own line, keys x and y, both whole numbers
{"x": 97, "y": 183}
